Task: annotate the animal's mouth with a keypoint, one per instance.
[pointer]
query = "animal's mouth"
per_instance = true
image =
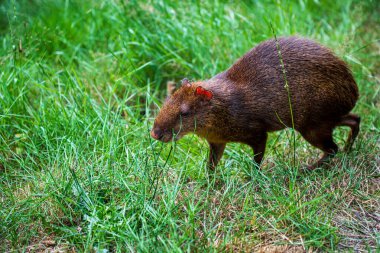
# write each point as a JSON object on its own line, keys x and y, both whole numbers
{"x": 165, "y": 136}
{"x": 170, "y": 137}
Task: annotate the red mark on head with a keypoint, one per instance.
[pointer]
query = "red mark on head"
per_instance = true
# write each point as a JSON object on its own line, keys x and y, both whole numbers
{"x": 200, "y": 91}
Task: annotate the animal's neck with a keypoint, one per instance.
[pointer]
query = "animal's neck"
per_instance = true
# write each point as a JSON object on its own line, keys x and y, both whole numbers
{"x": 225, "y": 109}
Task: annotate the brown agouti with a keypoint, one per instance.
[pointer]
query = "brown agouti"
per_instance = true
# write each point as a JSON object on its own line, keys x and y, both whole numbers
{"x": 250, "y": 99}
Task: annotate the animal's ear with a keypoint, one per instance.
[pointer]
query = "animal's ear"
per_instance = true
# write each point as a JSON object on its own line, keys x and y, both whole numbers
{"x": 186, "y": 82}
{"x": 170, "y": 88}
{"x": 200, "y": 91}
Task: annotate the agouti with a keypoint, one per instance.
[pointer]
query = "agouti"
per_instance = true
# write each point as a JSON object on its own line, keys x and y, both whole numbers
{"x": 250, "y": 99}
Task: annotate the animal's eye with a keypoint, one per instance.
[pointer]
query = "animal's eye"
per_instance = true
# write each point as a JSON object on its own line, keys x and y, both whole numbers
{"x": 185, "y": 110}
{"x": 184, "y": 114}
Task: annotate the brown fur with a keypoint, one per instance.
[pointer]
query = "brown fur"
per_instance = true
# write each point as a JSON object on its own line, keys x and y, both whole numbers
{"x": 249, "y": 100}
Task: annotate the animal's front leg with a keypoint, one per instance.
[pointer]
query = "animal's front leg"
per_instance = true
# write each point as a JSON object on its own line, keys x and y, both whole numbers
{"x": 216, "y": 152}
{"x": 258, "y": 145}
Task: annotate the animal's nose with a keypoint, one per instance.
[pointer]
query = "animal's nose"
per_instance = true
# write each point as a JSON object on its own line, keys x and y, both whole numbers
{"x": 156, "y": 133}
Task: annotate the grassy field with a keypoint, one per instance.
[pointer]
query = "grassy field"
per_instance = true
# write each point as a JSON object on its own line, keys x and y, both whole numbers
{"x": 80, "y": 84}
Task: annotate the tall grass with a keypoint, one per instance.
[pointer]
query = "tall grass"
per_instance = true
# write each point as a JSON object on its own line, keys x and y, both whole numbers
{"x": 80, "y": 84}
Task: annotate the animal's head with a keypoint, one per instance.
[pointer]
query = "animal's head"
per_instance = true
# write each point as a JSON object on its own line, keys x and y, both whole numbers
{"x": 185, "y": 111}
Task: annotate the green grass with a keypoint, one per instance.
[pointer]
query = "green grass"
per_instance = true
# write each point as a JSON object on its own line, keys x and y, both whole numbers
{"x": 78, "y": 170}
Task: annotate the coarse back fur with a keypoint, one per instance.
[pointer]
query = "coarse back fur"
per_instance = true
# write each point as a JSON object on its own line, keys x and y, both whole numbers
{"x": 321, "y": 85}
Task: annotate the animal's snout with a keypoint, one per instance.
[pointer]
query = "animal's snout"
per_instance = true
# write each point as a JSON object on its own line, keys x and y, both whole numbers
{"x": 156, "y": 133}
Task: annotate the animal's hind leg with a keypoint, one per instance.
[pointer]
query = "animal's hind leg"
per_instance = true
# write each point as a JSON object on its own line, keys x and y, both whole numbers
{"x": 321, "y": 138}
{"x": 353, "y": 121}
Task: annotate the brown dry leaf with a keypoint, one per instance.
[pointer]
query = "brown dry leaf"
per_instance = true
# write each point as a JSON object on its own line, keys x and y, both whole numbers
{"x": 280, "y": 249}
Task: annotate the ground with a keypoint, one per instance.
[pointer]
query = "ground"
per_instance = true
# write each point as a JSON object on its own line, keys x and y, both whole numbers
{"x": 81, "y": 82}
